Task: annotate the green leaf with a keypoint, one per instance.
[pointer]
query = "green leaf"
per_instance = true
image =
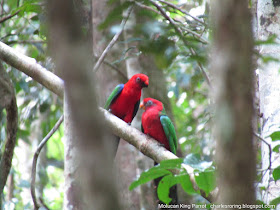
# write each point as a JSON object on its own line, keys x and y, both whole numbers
{"x": 184, "y": 180}
{"x": 275, "y": 136}
{"x": 275, "y": 201}
{"x": 168, "y": 181}
{"x": 269, "y": 40}
{"x": 170, "y": 164}
{"x": 276, "y": 173}
{"x": 149, "y": 175}
{"x": 194, "y": 161}
{"x": 197, "y": 58}
{"x": 276, "y": 148}
{"x": 30, "y": 6}
{"x": 206, "y": 181}
{"x": 163, "y": 188}
{"x": 267, "y": 59}
{"x": 156, "y": 172}
{"x": 259, "y": 202}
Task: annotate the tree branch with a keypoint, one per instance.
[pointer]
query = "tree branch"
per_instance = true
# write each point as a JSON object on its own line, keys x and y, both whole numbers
{"x": 148, "y": 146}
{"x": 3, "y": 19}
{"x": 177, "y": 29}
{"x": 183, "y": 11}
{"x": 34, "y": 163}
{"x": 29, "y": 66}
{"x": 142, "y": 142}
{"x": 113, "y": 41}
{"x": 115, "y": 68}
{"x": 143, "y": 6}
{"x": 8, "y": 101}
{"x": 269, "y": 148}
{"x": 181, "y": 35}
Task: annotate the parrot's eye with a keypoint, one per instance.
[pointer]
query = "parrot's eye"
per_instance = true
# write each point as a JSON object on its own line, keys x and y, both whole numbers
{"x": 138, "y": 79}
{"x": 149, "y": 103}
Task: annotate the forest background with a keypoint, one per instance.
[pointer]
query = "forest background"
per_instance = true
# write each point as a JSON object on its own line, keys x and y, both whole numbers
{"x": 214, "y": 65}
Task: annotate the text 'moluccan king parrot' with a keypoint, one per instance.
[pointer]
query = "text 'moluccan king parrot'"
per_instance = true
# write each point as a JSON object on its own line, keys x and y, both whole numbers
{"x": 125, "y": 99}
{"x": 157, "y": 124}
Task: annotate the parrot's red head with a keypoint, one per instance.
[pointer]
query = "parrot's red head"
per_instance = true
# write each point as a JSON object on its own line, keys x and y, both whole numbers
{"x": 148, "y": 103}
{"x": 140, "y": 80}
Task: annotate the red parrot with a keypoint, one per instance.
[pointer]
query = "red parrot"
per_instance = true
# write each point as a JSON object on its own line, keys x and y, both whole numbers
{"x": 157, "y": 124}
{"x": 125, "y": 99}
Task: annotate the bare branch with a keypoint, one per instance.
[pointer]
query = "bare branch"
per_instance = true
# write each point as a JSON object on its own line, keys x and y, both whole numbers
{"x": 29, "y": 66}
{"x": 183, "y": 11}
{"x": 26, "y": 42}
{"x": 3, "y": 19}
{"x": 269, "y": 148}
{"x": 142, "y": 142}
{"x": 146, "y": 7}
{"x": 198, "y": 36}
{"x": 36, "y": 155}
{"x": 179, "y": 31}
{"x": 147, "y": 145}
{"x": 113, "y": 41}
{"x": 115, "y": 68}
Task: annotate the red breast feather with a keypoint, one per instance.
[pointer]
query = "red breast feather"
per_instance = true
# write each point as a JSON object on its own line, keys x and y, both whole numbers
{"x": 152, "y": 126}
{"x": 123, "y": 106}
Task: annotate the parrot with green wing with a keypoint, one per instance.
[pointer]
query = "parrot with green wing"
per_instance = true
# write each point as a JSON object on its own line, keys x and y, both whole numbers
{"x": 124, "y": 101}
{"x": 157, "y": 124}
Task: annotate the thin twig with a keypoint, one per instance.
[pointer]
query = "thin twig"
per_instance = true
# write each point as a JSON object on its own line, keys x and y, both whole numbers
{"x": 36, "y": 155}
{"x": 30, "y": 42}
{"x": 115, "y": 68}
{"x": 43, "y": 204}
{"x": 183, "y": 11}
{"x": 3, "y": 19}
{"x": 264, "y": 171}
{"x": 113, "y": 41}
{"x": 269, "y": 147}
{"x": 198, "y": 36}
{"x": 2, "y": 7}
{"x": 179, "y": 31}
{"x": 146, "y": 7}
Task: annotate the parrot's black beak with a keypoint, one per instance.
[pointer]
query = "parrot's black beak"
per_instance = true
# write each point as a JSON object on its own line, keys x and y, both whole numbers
{"x": 146, "y": 83}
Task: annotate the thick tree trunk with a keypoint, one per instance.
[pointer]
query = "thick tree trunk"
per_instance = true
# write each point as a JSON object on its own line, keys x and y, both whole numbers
{"x": 233, "y": 74}
{"x": 88, "y": 165}
{"x": 8, "y": 102}
{"x": 108, "y": 79}
{"x": 269, "y": 88}
{"x": 143, "y": 143}
{"x": 145, "y": 64}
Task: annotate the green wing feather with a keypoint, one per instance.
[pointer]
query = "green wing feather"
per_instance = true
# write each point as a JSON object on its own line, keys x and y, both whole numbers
{"x": 169, "y": 131}
{"x": 118, "y": 89}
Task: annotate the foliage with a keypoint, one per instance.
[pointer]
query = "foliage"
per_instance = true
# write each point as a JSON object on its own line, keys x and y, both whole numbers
{"x": 39, "y": 109}
{"x": 203, "y": 173}
{"x": 187, "y": 89}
